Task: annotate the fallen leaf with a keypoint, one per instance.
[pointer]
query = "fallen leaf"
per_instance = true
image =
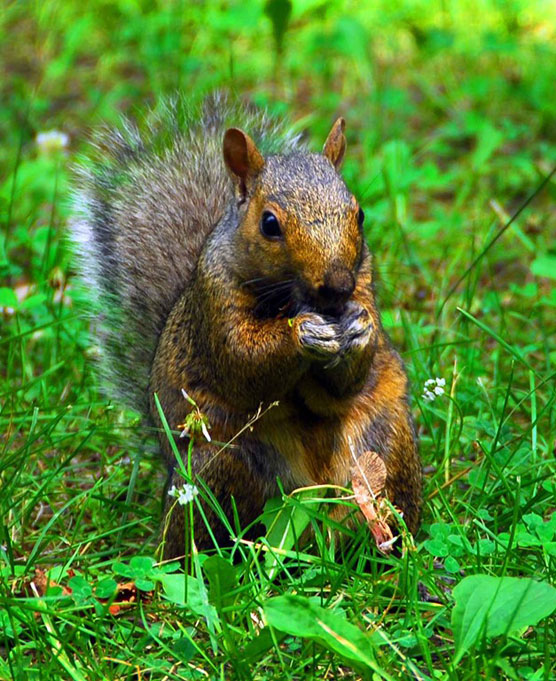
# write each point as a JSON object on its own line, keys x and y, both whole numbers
{"x": 372, "y": 469}
{"x": 368, "y": 478}
{"x": 125, "y": 598}
{"x": 42, "y": 583}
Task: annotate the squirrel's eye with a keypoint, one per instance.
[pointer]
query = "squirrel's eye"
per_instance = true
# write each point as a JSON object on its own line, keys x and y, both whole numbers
{"x": 360, "y": 217}
{"x": 270, "y": 227}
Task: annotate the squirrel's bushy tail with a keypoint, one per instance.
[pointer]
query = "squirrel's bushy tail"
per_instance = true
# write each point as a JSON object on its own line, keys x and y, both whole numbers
{"x": 145, "y": 203}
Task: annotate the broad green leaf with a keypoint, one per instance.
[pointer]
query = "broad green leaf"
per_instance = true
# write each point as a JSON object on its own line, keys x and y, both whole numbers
{"x": 436, "y": 547}
{"x": 451, "y": 564}
{"x": 184, "y": 649}
{"x": 142, "y": 565}
{"x": 144, "y": 584}
{"x": 440, "y": 530}
{"x": 105, "y": 588}
{"x": 169, "y": 567}
{"x": 33, "y": 301}
{"x": 123, "y": 570}
{"x": 57, "y": 573}
{"x": 8, "y": 297}
{"x": 525, "y": 539}
{"x": 81, "y": 590}
{"x": 299, "y": 616}
{"x": 55, "y": 592}
{"x": 486, "y": 547}
{"x": 544, "y": 266}
{"x": 173, "y": 587}
{"x": 489, "y": 606}
{"x": 222, "y": 579}
{"x": 285, "y": 524}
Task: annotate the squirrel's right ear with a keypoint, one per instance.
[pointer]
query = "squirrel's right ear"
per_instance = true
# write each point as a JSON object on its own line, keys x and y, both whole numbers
{"x": 335, "y": 145}
{"x": 243, "y": 160}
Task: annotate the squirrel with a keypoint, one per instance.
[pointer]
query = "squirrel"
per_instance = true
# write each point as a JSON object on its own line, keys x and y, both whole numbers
{"x": 230, "y": 263}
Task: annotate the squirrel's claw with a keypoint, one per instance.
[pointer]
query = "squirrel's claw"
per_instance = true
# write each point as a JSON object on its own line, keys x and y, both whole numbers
{"x": 318, "y": 337}
{"x": 356, "y": 328}
{"x": 331, "y": 341}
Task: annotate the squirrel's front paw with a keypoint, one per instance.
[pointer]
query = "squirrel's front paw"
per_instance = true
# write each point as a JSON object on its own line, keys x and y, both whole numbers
{"x": 318, "y": 337}
{"x": 356, "y": 329}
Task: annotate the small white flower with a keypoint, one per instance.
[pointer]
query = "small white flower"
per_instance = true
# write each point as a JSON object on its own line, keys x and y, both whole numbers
{"x": 184, "y": 494}
{"x": 386, "y": 545}
{"x": 53, "y": 140}
{"x": 187, "y": 494}
{"x": 432, "y": 388}
{"x": 205, "y": 432}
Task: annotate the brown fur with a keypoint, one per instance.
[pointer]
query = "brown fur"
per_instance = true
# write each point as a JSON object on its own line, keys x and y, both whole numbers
{"x": 231, "y": 361}
{"x": 250, "y": 319}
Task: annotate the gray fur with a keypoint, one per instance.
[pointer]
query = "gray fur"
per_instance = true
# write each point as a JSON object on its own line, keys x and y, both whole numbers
{"x": 146, "y": 202}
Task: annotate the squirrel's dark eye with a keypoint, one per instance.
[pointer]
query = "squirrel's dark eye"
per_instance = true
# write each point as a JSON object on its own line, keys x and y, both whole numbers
{"x": 270, "y": 227}
{"x": 360, "y": 217}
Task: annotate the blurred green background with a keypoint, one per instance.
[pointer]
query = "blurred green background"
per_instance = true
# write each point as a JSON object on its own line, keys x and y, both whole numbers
{"x": 448, "y": 104}
{"x": 451, "y": 127}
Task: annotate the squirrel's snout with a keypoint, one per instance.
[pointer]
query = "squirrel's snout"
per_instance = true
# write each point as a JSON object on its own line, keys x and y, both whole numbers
{"x": 337, "y": 288}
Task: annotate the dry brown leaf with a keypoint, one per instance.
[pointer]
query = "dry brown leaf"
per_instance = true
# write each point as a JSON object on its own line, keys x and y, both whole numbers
{"x": 373, "y": 471}
{"x": 126, "y": 592}
{"x": 42, "y": 582}
{"x": 368, "y": 478}
{"x": 126, "y": 597}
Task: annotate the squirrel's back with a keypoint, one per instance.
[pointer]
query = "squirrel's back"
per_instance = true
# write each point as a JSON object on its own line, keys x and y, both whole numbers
{"x": 145, "y": 203}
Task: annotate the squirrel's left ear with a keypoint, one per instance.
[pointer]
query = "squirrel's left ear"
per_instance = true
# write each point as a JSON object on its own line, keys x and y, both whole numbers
{"x": 243, "y": 160}
{"x": 335, "y": 145}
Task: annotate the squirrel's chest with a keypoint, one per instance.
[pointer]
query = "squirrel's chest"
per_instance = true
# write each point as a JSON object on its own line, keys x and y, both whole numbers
{"x": 321, "y": 451}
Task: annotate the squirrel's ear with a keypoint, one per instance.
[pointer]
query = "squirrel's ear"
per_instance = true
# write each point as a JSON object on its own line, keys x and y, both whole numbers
{"x": 335, "y": 145}
{"x": 242, "y": 158}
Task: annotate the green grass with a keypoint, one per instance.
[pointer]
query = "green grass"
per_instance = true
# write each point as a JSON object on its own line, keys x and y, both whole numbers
{"x": 451, "y": 130}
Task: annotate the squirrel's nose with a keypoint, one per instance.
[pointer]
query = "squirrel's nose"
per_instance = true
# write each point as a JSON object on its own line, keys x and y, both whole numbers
{"x": 338, "y": 286}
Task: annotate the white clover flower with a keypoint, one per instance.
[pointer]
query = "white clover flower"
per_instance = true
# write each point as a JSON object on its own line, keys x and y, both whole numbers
{"x": 50, "y": 141}
{"x": 432, "y": 388}
{"x": 195, "y": 421}
{"x": 205, "y": 432}
{"x": 184, "y": 494}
